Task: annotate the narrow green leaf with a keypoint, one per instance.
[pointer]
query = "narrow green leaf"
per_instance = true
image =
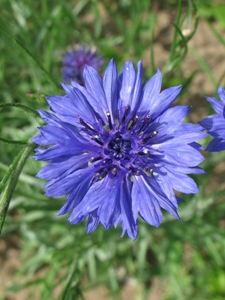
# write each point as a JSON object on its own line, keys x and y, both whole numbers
{"x": 12, "y": 178}
{"x": 205, "y": 67}
{"x": 211, "y": 246}
{"x": 217, "y": 34}
{"x": 24, "y": 48}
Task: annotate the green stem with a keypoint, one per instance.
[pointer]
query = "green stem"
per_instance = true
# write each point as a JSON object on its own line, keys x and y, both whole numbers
{"x": 177, "y": 22}
{"x": 14, "y": 173}
{"x": 13, "y": 141}
{"x": 21, "y": 106}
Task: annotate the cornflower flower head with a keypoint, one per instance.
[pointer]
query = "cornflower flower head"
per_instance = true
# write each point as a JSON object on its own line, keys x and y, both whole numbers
{"x": 215, "y": 124}
{"x": 75, "y": 60}
{"x": 118, "y": 150}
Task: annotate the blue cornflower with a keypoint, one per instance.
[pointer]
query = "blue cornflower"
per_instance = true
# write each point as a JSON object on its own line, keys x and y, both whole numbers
{"x": 118, "y": 151}
{"x": 215, "y": 124}
{"x": 75, "y": 60}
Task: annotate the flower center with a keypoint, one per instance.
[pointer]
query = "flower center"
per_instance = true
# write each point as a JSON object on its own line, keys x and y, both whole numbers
{"x": 119, "y": 148}
{"x": 122, "y": 145}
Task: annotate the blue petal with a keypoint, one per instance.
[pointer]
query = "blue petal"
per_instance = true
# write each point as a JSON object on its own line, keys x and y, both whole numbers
{"x": 145, "y": 203}
{"x": 71, "y": 182}
{"x": 38, "y": 151}
{"x": 69, "y": 108}
{"x": 196, "y": 146}
{"x": 151, "y": 92}
{"x": 129, "y": 224}
{"x": 179, "y": 154}
{"x": 49, "y": 118}
{"x": 94, "y": 85}
{"x": 207, "y": 122}
{"x": 215, "y": 125}
{"x": 92, "y": 200}
{"x": 53, "y": 171}
{"x": 164, "y": 101}
{"x": 110, "y": 208}
{"x": 40, "y": 140}
{"x": 188, "y": 133}
{"x": 138, "y": 90}
{"x": 185, "y": 169}
{"x": 78, "y": 99}
{"x": 93, "y": 221}
{"x": 216, "y": 145}
{"x": 218, "y": 127}
{"x": 180, "y": 200}
{"x": 56, "y": 135}
{"x": 221, "y": 93}
{"x": 110, "y": 88}
{"x": 98, "y": 108}
{"x": 170, "y": 132}
{"x": 174, "y": 115}
{"x": 181, "y": 182}
{"x": 162, "y": 186}
{"x": 58, "y": 153}
{"x": 68, "y": 143}
{"x": 169, "y": 204}
{"x": 81, "y": 186}
{"x": 128, "y": 82}
{"x": 217, "y": 105}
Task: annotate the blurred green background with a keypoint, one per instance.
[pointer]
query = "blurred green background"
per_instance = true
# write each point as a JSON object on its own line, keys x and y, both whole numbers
{"x": 41, "y": 256}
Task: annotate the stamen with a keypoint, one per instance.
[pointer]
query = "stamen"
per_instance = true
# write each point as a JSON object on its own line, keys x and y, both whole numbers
{"x": 93, "y": 159}
{"x": 114, "y": 171}
{"x": 146, "y": 153}
{"x": 127, "y": 110}
{"x": 148, "y": 170}
{"x": 86, "y": 125}
{"x": 145, "y": 122}
{"x": 109, "y": 121}
{"x": 97, "y": 140}
{"x": 100, "y": 174}
{"x": 133, "y": 122}
{"x": 107, "y": 160}
{"x": 135, "y": 171}
{"x": 149, "y": 137}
